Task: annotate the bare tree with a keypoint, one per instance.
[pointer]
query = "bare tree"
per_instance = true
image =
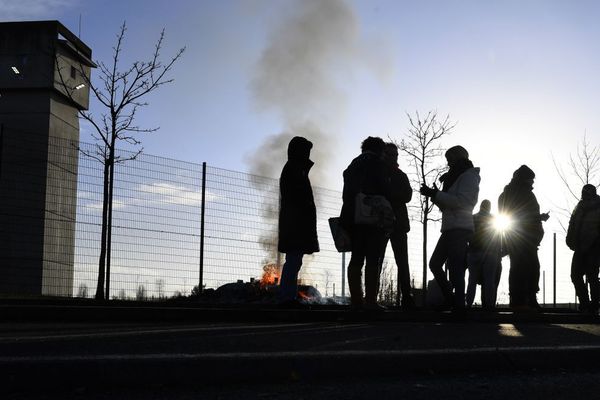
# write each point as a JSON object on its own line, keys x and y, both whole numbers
{"x": 119, "y": 93}
{"x": 423, "y": 148}
{"x": 582, "y": 168}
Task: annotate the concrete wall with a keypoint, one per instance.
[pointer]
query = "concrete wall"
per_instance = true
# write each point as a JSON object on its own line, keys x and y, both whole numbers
{"x": 39, "y": 157}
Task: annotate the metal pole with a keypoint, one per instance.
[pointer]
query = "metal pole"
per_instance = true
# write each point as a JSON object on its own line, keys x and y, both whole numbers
{"x": 343, "y": 275}
{"x": 203, "y": 209}
{"x": 554, "y": 269}
{"x": 544, "y": 287}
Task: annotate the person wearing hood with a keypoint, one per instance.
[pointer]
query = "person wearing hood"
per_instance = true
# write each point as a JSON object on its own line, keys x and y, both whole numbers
{"x": 366, "y": 174}
{"x": 401, "y": 194}
{"x": 583, "y": 237}
{"x": 456, "y": 201}
{"x": 297, "y": 217}
{"x": 522, "y": 240}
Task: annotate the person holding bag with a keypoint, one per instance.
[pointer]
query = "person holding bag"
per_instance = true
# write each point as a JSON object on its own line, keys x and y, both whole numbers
{"x": 366, "y": 190}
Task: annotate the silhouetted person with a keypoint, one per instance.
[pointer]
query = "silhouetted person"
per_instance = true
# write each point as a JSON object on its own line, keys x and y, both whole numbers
{"x": 484, "y": 259}
{"x": 297, "y": 216}
{"x": 456, "y": 201}
{"x": 367, "y": 174}
{"x": 583, "y": 237}
{"x": 523, "y": 238}
{"x": 400, "y": 195}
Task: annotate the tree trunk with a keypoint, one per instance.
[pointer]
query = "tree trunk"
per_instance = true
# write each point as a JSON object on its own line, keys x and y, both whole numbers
{"x": 102, "y": 260}
{"x": 109, "y": 219}
{"x": 425, "y": 218}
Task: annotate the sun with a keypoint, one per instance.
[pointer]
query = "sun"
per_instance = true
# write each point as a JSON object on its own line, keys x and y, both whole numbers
{"x": 502, "y": 222}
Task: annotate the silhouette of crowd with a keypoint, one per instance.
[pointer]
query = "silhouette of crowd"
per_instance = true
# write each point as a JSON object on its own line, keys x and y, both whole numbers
{"x": 374, "y": 213}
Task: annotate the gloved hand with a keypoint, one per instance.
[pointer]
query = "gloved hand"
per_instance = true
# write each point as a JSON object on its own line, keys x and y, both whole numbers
{"x": 544, "y": 217}
{"x": 429, "y": 192}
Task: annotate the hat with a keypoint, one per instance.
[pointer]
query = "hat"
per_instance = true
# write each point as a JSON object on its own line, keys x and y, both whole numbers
{"x": 458, "y": 153}
{"x": 524, "y": 173}
{"x": 588, "y": 189}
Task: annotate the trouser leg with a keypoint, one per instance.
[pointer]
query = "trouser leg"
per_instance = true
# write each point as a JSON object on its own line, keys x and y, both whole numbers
{"x": 577, "y": 273}
{"x": 399, "y": 242}
{"x": 457, "y": 264}
{"x": 375, "y": 240}
{"x": 288, "y": 288}
{"x": 489, "y": 279}
{"x": 436, "y": 264}
{"x": 473, "y": 265}
{"x": 355, "y": 266}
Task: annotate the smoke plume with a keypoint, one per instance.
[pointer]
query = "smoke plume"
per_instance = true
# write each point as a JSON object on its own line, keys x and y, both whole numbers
{"x": 298, "y": 77}
{"x": 309, "y": 57}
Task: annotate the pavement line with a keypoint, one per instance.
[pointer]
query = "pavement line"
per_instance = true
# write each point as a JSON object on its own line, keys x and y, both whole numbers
{"x": 134, "y": 332}
{"x": 293, "y": 354}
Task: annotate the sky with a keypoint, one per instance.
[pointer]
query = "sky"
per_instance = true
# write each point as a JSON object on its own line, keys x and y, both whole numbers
{"x": 519, "y": 78}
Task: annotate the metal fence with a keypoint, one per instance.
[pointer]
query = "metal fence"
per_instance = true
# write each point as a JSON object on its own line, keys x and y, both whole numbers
{"x": 51, "y": 208}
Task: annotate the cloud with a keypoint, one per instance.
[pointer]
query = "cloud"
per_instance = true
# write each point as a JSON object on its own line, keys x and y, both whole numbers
{"x": 172, "y": 194}
{"x": 14, "y": 10}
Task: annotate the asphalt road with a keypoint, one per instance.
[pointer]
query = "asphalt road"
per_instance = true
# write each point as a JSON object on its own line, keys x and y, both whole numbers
{"x": 302, "y": 356}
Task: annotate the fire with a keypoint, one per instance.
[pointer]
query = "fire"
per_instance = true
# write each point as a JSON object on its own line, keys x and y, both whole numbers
{"x": 271, "y": 275}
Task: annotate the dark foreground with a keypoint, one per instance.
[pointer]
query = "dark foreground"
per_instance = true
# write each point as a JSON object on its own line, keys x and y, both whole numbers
{"x": 54, "y": 351}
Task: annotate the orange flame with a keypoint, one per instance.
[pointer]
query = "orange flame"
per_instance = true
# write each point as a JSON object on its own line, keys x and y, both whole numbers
{"x": 271, "y": 275}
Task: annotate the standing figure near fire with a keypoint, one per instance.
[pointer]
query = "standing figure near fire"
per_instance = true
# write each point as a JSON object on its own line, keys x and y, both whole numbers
{"x": 456, "y": 200}
{"x": 523, "y": 238}
{"x": 583, "y": 237}
{"x": 366, "y": 174}
{"x": 297, "y": 217}
{"x": 484, "y": 259}
{"x": 400, "y": 195}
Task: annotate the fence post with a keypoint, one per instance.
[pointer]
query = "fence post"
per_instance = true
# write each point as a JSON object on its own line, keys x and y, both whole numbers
{"x": 544, "y": 287}
{"x": 554, "y": 269}
{"x": 343, "y": 275}
{"x": 201, "y": 277}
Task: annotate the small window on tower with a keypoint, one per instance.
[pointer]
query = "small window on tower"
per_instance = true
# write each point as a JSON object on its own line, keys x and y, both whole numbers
{"x": 73, "y": 72}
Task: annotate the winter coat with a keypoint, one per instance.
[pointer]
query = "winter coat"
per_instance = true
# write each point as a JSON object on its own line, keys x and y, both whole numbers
{"x": 520, "y": 204}
{"x": 584, "y": 225}
{"x": 400, "y": 195}
{"x": 485, "y": 239}
{"x": 458, "y": 202}
{"x": 297, "y": 212}
{"x": 367, "y": 174}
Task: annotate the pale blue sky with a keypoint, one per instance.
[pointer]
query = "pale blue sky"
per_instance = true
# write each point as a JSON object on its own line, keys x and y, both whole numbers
{"x": 520, "y": 77}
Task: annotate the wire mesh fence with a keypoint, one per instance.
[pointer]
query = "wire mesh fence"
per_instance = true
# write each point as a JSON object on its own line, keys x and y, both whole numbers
{"x": 176, "y": 225}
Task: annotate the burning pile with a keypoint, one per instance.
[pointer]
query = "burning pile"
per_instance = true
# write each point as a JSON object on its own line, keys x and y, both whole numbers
{"x": 271, "y": 275}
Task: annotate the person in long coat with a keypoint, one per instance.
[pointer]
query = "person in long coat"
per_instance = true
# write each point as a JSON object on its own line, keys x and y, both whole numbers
{"x": 297, "y": 216}
{"x": 518, "y": 202}
{"x": 583, "y": 237}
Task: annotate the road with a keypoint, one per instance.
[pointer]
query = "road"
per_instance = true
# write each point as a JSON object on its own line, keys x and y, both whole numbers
{"x": 300, "y": 354}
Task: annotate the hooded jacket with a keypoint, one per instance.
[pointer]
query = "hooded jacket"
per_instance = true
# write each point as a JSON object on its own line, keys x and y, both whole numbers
{"x": 458, "y": 202}
{"x": 520, "y": 204}
{"x": 584, "y": 226}
{"x": 297, "y": 212}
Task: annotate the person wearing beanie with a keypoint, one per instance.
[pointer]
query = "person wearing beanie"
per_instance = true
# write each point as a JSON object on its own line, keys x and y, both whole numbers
{"x": 456, "y": 200}
{"x": 518, "y": 202}
{"x": 297, "y": 217}
{"x": 583, "y": 237}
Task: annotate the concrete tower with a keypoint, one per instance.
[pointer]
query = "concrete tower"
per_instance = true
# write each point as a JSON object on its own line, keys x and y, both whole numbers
{"x": 40, "y": 63}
